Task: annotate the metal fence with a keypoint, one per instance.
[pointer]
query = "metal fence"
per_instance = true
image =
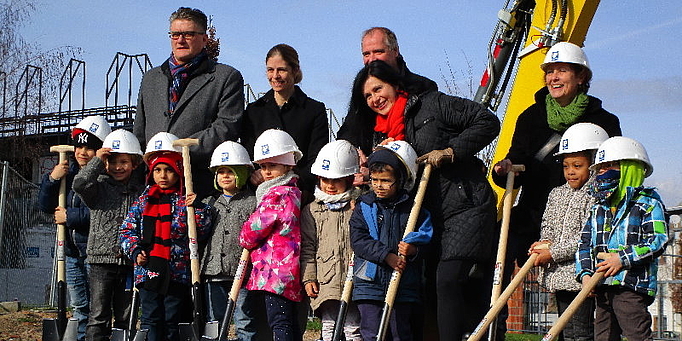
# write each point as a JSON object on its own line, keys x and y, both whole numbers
{"x": 27, "y": 238}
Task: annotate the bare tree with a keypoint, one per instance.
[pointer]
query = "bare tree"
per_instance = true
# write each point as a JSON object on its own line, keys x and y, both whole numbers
{"x": 16, "y": 54}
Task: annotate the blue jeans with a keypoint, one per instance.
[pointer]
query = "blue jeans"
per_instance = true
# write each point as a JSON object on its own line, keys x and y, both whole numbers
{"x": 161, "y": 314}
{"x": 244, "y": 310}
{"x": 79, "y": 291}
{"x": 399, "y": 324}
{"x": 108, "y": 284}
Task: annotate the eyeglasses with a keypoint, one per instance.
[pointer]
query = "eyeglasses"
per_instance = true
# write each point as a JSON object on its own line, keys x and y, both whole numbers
{"x": 188, "y": 35}
{"x": 381, "y": 183}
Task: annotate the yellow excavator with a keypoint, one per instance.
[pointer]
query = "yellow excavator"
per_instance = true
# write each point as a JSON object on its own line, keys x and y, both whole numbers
{"x": 525, "y": 30}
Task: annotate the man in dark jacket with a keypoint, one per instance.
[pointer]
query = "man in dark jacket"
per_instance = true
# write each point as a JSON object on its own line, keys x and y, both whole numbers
{"x": 191, "y": 96}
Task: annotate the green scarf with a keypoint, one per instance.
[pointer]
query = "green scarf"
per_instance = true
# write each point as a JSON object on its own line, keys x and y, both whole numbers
{"x": 560, "y": 118}
{"x": 631, "y": 175}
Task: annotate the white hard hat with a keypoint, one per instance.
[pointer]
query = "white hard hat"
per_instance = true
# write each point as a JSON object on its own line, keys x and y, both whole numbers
{"x": 122, "y": 141}
{"x": 161, "y": 142}
{"x": 337, "y": 159}
{"x": 622, "y": 148}
{"x": 274, "y": 142}
{"x": 581, "y": 137}
{"x": 229, "y": 153}
{"x": 565, "y": 52}
{"x": 408, "y": 156}
{"x": 95, "y": 125}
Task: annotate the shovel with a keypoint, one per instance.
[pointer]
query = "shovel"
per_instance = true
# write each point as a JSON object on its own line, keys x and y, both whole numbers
{"x": 502, "y": 244}
{"x": 131, "y": 334}
{"x": 61, "y": 328}
{"x": 345, "y": 300}
{"x": 560, "y": 323}
{"x": 502, "y": 300}
{"x": 193, "y": 331}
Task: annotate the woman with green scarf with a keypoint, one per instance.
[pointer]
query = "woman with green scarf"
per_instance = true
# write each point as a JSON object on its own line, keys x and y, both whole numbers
{"x": 561, "y": 103}
{"x": 628, "y": 221}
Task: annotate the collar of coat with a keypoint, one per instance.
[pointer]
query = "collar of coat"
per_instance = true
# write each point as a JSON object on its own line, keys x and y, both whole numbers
{"x": 298, "y": 98}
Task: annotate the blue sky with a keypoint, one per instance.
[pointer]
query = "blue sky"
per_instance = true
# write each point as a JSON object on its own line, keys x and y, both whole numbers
{"x": 631, "y": 47}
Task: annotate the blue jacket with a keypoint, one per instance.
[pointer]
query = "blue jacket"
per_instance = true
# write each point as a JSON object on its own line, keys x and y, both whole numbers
{"x": 637, "y": 232}
{"x": 77, "y": 214}
{"x": 373, "y": 241}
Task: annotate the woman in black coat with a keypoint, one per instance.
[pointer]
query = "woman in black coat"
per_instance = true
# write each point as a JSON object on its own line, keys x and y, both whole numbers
{"x": 447, "y": 132}
{"x": 286, "y": 107}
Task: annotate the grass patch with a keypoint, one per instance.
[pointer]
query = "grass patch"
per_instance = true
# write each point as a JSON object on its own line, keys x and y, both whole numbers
{"x": 522, "y": 337}
{"x": 314, "y": 324}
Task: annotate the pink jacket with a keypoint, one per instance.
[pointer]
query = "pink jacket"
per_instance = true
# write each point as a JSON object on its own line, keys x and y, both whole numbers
{"x": 273, "y": 234}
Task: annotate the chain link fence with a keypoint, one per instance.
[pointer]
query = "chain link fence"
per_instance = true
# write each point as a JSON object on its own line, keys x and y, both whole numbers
{"x": 27, "y": 240}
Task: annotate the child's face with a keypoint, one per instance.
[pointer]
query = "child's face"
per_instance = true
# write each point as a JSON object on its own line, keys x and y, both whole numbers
{"x": 576, "y": 169}
{"x": 384, "y": 184}
{"x": 164, "y": 176}
{"x": 120, "y": 166}
{"x": 333, "y": 186}
{"x": 226, "y": 179}
{"x": 273, "y": 170}
{"x": 607, "y": 166}
{"x": 83, "y": 155}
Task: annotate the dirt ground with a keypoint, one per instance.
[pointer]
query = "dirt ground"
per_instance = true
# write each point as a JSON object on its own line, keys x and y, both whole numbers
{"x": 27, "y": 325}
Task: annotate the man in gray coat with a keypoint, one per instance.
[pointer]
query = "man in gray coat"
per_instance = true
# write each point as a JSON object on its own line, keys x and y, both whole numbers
{"x": 191, "y": 96}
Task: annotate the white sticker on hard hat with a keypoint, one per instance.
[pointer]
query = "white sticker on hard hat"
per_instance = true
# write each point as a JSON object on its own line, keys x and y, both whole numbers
{"x": 265, "y": 149}
{"x": 601, "y": 156}
{"x": 225, "y": 157}
{"x": 158, "y": 144}
{"x": 325, "y": 164}
{"x": 94, "y": 127}
{"x": 116, "y": 144}
{"x": 564, "y": 144}
{"x": 555, "y": 56}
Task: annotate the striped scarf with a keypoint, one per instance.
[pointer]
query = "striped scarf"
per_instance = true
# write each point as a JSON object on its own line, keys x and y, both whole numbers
{"x": 156, "y": 237}
{"x": 180, "y": 77}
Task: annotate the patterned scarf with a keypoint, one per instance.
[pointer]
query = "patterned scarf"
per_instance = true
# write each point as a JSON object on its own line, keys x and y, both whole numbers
{"x": 560, "y": 118}
{"x": 393, "y": 124}
{"x": 604, "y": 185}
{"x": 180, "y": 77}
{"x": 156, "y": 236}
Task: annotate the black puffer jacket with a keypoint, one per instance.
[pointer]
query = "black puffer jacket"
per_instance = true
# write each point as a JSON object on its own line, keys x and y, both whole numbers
{"x": 461, "y": 201}
{"x": 531, "y": 134}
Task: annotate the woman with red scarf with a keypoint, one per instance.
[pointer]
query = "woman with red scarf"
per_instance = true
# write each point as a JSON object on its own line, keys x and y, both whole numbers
{"x": 447, "y": 131}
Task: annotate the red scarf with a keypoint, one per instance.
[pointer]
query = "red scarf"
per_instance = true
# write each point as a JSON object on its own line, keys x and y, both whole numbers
{"x": 156, "y": 238}
{"x": 393, "y": 124}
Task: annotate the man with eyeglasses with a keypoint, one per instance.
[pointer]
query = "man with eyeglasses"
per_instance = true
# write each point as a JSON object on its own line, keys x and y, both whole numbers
{"x": 191, "y": 95}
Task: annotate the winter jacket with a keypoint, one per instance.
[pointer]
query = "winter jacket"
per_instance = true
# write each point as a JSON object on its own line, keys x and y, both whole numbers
{"x": 302, "y": 117}
{"x": 210, "y": 109}
{"x": 273, "y": 234}
{"x": 564, "y": 218}
{"x": 132, "y": 229}
{"x": 77, "y": 213}
{"x": 531, "y": 134}
{"x": 638, "y": 232}
{"x": 458, "y": 196}
{"x": 372, "y": 274}
{"x": 222, "y": 252}
{"x": 325, "y": 249}
{"x": 109, "y": 201}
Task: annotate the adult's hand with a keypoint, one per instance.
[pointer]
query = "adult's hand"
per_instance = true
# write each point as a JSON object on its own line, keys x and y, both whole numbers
{"x": 256, "y": 177}
{"x": 503, "y": 167}
{"x": 438, "y": 157}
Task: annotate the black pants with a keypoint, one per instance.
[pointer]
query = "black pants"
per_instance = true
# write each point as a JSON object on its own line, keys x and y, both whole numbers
{"x": 581, "y": 326}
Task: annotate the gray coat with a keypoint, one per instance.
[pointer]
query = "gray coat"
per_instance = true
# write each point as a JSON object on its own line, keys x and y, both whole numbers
{"x": 221, "y": 255}
{"x": 210, "y": 109}
{"x": 109, "y": 201}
